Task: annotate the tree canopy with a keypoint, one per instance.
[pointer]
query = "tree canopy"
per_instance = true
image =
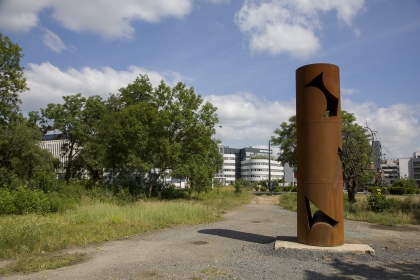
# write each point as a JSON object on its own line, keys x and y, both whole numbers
{"x": 12, "y": 81}
{"x": 136, "y": 130}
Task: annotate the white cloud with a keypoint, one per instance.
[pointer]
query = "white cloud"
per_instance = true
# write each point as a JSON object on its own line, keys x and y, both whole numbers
{"x": 219, "y": 1}
{"x": 247, "y": 120}
{"x": 52, "y": 41}
{"x": 48, "y": 83}
{"x": 397, "y": 126}
{"x": 289, "y": 26}
{"x": 110, "y": 19}
{"x": 20, "y": 15}
{"x": 348, "y": 91}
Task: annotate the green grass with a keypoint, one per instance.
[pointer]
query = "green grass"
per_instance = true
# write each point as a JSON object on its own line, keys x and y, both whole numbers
{"x": 359, "y": 211}
{"x": 30, "y": 240}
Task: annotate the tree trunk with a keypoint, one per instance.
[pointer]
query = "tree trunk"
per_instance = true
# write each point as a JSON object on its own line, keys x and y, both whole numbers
{"x": 351, "y": 190}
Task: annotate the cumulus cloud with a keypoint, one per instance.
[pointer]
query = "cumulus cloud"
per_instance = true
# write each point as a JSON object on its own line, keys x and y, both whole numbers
{"x": 289, "y": 26}
{"x": 52, "y": 41}
{"x": 48, "y": 83}
{"x": 109, "y": 19}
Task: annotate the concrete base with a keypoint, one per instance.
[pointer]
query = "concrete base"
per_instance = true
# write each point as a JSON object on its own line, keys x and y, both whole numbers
{"x": 286, "y": 242}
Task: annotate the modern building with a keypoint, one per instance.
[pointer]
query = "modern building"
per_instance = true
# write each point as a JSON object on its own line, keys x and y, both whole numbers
{"x": 250, "y": 164}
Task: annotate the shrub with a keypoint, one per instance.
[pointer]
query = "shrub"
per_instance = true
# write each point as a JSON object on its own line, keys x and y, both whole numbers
{"x": 397, "y": 190}
{"x": 377, "y": 202}
{"x": 7, "y": 205}
{"x": 174, "y": 193}
{"x": 44, "y": 181}
{"x": 238, "y": 187}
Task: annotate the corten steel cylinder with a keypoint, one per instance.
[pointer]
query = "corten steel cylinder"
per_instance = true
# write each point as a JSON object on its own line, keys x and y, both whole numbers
{"x": 320, "y": 174}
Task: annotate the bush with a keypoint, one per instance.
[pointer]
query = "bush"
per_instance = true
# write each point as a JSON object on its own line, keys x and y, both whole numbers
{"x": 397, "y": 190}
{"x": 174, "y": 193}
{"x": 377, "y": 202}
{"x": 45, "y": 182}
{"x": 24, "y": 201}
{"x": 7, "y": 205}
{"x": 238, "y": 187}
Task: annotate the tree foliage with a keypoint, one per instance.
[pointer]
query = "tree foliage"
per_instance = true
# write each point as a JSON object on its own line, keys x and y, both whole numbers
{"x": 20, "y": 154}
{"x": 12, "y": 81}
{"x": 76, "y": 120}
{"x": 162, "y": 129}
{"x": 287, "y": 140}
{"x": 357, "y": 155}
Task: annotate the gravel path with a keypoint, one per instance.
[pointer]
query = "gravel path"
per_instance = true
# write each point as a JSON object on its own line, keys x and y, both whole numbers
{"x": 241, "y": 247}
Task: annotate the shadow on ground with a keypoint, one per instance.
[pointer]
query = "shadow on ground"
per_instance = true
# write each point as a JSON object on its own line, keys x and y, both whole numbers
{"x": 239, "y": 235}
{"x": 364, "y": 271}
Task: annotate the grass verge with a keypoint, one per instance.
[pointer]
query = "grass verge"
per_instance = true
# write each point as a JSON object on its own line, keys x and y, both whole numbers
{"x": 30, "y": 241}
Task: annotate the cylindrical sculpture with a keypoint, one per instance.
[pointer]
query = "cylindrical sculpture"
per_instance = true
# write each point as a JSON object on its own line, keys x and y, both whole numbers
{"x": 320, "y": 174}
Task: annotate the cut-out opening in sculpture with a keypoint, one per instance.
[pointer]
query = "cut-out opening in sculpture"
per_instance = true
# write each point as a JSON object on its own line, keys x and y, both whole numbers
{"x": 332, "y": 101}
{"x": 318, "y": 216}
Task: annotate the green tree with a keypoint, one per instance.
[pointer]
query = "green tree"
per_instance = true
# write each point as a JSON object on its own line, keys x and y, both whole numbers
{"x": 162, "y": 128}
{"x": 12, "y": 81}
{"x": 76, "y": 120}
{"x": 287, "y": 140}
{"x": 20, "y": 154}
{"x": 356, "y": 156}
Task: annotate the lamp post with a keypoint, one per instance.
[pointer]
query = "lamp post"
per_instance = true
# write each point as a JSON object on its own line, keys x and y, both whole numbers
{"x": 269, "y": 166}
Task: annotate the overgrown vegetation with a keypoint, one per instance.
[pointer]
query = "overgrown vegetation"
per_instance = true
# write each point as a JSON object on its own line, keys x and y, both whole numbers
{"x": 31, "y": 241}
{"x": 374, "y": 208}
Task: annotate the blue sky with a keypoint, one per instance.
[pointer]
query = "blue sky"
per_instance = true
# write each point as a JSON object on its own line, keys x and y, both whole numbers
{"x": 239, "y": 55}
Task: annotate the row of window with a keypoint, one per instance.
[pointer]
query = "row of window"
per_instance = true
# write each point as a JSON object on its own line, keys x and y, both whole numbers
{"x": 260, "y": 163}
{"x": 228, "y": 164}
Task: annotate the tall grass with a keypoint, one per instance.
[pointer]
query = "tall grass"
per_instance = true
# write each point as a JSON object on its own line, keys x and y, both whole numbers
{"x": 26, "y": 238}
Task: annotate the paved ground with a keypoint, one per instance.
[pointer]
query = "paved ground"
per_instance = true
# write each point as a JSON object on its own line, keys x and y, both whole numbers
{"x": 241, "y": 247}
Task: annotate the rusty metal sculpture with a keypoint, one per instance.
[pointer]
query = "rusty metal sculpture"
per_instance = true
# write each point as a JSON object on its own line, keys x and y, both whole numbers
{"x": 320, "y": 175}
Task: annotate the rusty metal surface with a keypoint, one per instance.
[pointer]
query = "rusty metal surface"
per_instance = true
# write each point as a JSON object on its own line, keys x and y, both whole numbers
{"x": 320, "y": 175}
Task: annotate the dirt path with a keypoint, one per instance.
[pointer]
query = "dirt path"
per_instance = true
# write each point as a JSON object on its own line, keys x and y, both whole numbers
{"x": 241, "y": 247}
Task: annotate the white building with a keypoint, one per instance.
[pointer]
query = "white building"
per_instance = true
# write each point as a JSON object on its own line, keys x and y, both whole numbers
{"x": 54, "y": 143}
{"x": 255, "y": 170}
{"x": 250, "y": 164}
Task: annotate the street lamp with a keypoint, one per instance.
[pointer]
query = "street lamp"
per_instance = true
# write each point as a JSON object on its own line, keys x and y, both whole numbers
{"x": 269, "y": 166}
